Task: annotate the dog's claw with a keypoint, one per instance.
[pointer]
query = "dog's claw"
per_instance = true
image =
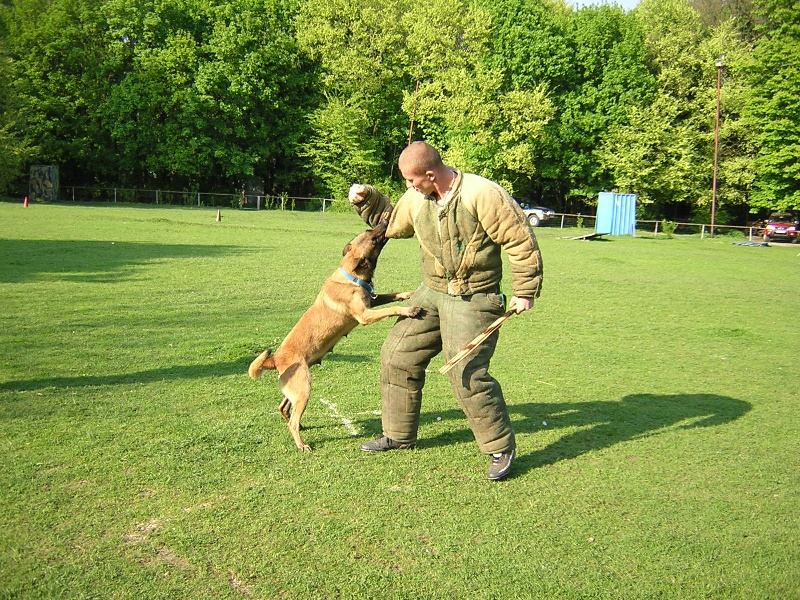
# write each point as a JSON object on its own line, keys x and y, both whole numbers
{"x": 416, "y": 312}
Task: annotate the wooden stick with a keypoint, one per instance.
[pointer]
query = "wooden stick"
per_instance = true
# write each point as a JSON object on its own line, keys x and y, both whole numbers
{"x": 478, "y": 339}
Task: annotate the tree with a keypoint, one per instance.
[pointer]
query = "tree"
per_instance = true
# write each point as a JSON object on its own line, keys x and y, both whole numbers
{"x": 359, "y": 48}
{"x": 612, "y": 79}
{"x": 663, "y": 154}
{"x": 214, "y": 92}
{"x": 774, "y": 107}
{"x": 466, "y": 104}
{"x": 60, "y": 76}
{"x": 15, "y": 150}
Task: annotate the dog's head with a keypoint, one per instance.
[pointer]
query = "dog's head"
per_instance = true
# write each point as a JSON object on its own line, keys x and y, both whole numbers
{"x": 362, "y": 252}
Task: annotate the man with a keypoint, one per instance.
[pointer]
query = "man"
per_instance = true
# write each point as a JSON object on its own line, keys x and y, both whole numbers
{"x": 461, "y": 221}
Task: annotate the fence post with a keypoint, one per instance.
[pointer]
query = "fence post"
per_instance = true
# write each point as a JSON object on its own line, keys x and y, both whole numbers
{"x": 156, "y": 196}
{"x": 562, "y": 221}
{"x": 115, "y": 195}
{"x": 198, "y": 199}
{"x": 703, "y": 232}
{"x": 655, "y": 232}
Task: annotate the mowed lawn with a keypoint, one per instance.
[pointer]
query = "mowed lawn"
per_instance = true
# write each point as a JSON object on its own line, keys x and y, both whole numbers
{"x": 653, "y": 389}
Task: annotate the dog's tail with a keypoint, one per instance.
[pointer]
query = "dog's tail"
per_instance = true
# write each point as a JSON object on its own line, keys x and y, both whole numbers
{"x": 263, "y": 361}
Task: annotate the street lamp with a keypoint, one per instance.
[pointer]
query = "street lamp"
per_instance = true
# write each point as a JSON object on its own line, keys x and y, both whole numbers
{"x": 720, "y": 64}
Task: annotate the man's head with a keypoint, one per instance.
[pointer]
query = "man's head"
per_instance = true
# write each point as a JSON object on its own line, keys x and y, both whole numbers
{"x": 421, "y": 165}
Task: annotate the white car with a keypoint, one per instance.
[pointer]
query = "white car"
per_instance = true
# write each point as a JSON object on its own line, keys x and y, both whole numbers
{"x": 536, "y": 214}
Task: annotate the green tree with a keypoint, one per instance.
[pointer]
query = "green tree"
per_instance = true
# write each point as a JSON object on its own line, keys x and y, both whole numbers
{"x": 612, "y": 78}
{"x": 338, "y": 151}
{"x": 482, "y": 119}
{"x": 215, "y": 91}
{"x": 15, "y": 150}
{"x": 60, "y": 76}
{"x": 774, "y": 107}
{"x": 663, "y": 154}
{"x": 360, "y": 49}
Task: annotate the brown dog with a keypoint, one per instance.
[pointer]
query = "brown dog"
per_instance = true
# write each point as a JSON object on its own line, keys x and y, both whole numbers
{"x": 344, "y": 301}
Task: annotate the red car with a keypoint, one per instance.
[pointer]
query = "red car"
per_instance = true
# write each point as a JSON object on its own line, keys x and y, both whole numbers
{"x": 781, "y": 226}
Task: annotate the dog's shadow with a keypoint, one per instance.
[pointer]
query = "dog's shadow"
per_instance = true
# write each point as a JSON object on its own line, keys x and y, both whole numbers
{"x": 596, "y": 424}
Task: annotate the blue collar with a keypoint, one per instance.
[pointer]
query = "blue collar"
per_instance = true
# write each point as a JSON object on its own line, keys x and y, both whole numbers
{"x": 364, "y": 284}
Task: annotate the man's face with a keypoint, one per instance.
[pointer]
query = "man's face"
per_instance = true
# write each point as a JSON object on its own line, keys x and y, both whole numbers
{"x": 422, "y": 182}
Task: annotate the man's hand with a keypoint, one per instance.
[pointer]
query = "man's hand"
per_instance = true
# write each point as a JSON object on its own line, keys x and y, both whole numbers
{"x": 358, "y": 193}
{"x": 519, "y": 305}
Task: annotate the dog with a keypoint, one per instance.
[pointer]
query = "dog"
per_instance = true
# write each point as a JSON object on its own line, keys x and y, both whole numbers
{"x": 345, "y": 301}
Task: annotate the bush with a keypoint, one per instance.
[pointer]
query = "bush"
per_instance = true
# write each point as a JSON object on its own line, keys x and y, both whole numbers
{"x": 668, "y": 227}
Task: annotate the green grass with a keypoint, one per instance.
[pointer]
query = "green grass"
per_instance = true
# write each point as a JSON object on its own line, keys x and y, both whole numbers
{"x": 656, "y": 413}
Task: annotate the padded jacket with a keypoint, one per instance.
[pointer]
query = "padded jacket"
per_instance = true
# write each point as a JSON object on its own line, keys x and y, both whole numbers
{"x": 460, "y": 243}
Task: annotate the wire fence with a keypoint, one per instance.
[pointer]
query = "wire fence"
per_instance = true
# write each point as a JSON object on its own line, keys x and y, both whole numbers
{"x": 655, "y": 229}
{"x": 243, "y": 201}
{"x": 239, "y": 199}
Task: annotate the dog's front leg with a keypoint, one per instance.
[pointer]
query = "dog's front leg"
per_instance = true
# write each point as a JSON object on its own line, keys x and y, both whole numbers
{"x": 368, "y": 316}
{"x": 386, "y": 298}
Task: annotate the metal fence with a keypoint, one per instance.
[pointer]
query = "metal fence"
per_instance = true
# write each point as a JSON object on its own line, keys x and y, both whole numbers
{"x": 240, "y": 200}
{"x": 182, "y": 198}
{"x": 663, "y": 228}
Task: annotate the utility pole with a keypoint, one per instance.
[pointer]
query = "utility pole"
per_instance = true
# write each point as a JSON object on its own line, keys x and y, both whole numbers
{"x": 720, "y": 64}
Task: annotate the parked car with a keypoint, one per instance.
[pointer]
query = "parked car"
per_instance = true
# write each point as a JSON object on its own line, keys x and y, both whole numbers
{"x": 535, "y": 214}
{"x": 781, "y": 226}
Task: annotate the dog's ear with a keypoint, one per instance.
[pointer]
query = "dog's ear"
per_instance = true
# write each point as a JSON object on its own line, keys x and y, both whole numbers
{"x": 346, "y": 250}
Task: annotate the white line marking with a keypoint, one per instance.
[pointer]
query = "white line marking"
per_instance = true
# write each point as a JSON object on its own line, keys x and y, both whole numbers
{"x": 334, "y": 411}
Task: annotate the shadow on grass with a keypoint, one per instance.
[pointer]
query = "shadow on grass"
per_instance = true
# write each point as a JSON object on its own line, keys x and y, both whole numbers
{"x": 603, "y": 423}
{"x": 89, "y": 261}
{"x": 171, "y": 373}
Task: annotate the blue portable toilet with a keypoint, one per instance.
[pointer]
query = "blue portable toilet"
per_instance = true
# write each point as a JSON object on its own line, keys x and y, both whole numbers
{"x": 616, "y": 214}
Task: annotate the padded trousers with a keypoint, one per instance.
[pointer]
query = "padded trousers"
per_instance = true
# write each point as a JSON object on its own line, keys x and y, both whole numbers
{"x": 449, "y": 324}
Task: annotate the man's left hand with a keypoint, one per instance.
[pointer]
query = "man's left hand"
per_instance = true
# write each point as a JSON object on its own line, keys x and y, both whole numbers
{"x": 519, "y": 305}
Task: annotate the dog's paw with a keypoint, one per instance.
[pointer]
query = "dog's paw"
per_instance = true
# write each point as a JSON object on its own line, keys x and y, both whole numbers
{"x": 416, "y": 312}
{"x": 403, "y": 295}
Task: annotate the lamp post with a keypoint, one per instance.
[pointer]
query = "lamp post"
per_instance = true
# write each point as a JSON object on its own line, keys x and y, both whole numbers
{"x": 720, "y": 64}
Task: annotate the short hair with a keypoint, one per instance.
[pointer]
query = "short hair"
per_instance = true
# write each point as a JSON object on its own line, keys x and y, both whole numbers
{"x": 421, "y": 157}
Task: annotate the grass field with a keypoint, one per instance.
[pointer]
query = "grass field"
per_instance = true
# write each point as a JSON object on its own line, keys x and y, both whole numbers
{"x": 653, "y": 389}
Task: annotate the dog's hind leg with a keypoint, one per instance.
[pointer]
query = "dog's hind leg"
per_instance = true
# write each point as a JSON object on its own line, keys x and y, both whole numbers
{"x": 296, "y": 388}
{"x": 285, "y": 408}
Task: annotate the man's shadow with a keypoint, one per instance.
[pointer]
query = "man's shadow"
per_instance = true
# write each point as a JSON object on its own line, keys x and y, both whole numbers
{"x": 602, "y": 423}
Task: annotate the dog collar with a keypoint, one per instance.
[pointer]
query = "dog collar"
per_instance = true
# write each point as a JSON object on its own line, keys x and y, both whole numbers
{"x": 364, "y": 284}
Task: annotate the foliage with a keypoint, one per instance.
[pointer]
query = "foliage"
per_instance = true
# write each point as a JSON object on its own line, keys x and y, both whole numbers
{"x": 338, "y": 152}
{"x": 774, "y": 107}
{"x": 612, "y": 80}
{"x": 556, "y": 103}
{"x": 359, "y": 48}
{"x": 178, "y": 90}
